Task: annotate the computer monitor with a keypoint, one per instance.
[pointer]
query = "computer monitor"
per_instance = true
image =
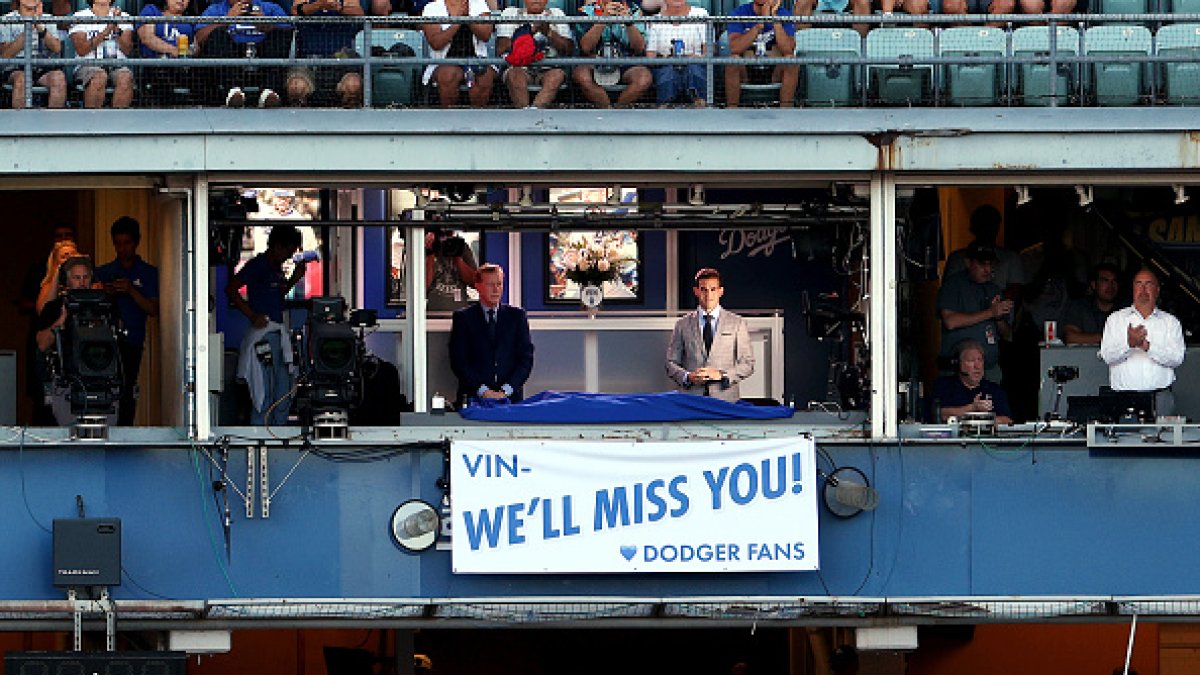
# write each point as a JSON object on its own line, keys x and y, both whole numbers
{"x": 1112, "y": 407}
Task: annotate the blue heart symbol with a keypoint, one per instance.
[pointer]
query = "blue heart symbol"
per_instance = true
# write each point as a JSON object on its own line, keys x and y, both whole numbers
{"x": 628, "y": 552}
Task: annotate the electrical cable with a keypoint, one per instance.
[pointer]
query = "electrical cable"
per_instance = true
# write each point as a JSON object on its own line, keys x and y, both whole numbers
{"x": 207, "y": 528}
{"x": 24, "y": 494}
{"x": 125, "y": 572}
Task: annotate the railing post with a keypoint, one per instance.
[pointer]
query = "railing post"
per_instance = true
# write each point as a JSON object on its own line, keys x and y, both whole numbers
{"x": 28, "y": 52}
{"x": 710, "y": 50}
{"x": 366, "y": 72}
{"x": 1053, "y": 36}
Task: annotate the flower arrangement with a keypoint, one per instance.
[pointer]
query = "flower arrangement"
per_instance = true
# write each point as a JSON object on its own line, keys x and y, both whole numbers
{"x": 592, "y": 262}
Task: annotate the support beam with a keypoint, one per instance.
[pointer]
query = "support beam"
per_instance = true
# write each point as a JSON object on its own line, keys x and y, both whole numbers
{"x": 882, "y": 331}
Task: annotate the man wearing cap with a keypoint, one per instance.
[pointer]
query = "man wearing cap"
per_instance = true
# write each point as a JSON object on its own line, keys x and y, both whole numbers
{"x": 1143, "y": 345}
{"x": 1008, "y": 270}
{"x": 971, "y": 306}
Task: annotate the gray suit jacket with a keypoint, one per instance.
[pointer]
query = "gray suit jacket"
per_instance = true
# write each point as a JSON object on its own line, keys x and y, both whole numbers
{"x": 731, "y": 354}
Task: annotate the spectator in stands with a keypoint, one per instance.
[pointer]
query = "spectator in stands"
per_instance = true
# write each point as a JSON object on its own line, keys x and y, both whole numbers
{"x": 491, "y": 352}
{"x": 1007, "y": 271}
{"x": 889, "y": 7}
{"x": 226, "y": 41}
{"x": 314, "y": 40}
{"x": 611, "y": 41}
{"x": 971, "y": 306}
{"x": 103, "y": 42}
{"x": 459, "y": 40}
{"x": 750, "y": 40}
{"x": 547, "y": 39}
{"x": 134, "y": 284}
{"x": 46, "y": 44}
{"x": 857, "y": 7}
{"x": 986, "y": 6}
{"x": 265, "y": 353}
{"x": 449, "y": 263}
{"x": 710, "y": 351}
{"x": 62, "y": 251}
{"x": 967, "y": 390}
{"x": 27, "y": 306}
{"x": 166, "y": 41}
{"x": 1083, "y": 320}
{"x": 686, "y": 83}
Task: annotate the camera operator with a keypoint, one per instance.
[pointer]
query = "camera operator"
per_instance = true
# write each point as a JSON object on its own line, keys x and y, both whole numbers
{"x": 449, "y": 263}
{"x": 265, "y": 353}
{"x": 133, "y": 284}
{"x": 76, "y": 274}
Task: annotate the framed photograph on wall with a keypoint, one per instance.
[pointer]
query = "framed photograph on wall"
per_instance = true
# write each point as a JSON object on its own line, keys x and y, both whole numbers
{"x": 438, "y": 241}
{"x": 615, "y": 255}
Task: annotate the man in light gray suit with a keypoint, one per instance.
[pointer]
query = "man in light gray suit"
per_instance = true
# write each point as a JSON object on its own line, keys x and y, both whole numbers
{"x": 710, "y": 350}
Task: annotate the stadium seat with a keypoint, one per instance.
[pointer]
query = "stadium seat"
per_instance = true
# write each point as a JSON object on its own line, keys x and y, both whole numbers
{"x": 831, "y": 84}
{"x": 752, "y": 94}
{"x": 1121, "y": 7}
{"x": 1180, "y": 79}
{"x": 1032, "y": 80}
{"x": 394, "y": 78}
{"x": 903, "y": 83}
{"x": 974, "y": 83}
{"x": 1183, "y": 6}
{"x": 1118, "y": 83}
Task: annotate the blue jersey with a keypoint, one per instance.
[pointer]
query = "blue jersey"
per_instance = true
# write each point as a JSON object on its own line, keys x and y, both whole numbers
{"x": 169, "y": 32}
{"x": 768, "y": 28}
{"x": 265, "y": 287}
{"x": 144, "y": 277}
{"x": 244, "y": 33}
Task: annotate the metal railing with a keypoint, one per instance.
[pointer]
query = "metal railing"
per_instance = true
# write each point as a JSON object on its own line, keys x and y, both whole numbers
{"x": 1130, "y": 50}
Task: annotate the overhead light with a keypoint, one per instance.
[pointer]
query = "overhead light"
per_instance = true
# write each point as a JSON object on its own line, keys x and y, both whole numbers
{"x": 1180, "y": 195}
{"x": 1085, "y": 194}
{"x": 526, "y": 200}
{"x": 415, "y": 525}
{"x": 1023, "y": 196}
{"x": 847, "y": 492}
{"x": 696, "y": 194}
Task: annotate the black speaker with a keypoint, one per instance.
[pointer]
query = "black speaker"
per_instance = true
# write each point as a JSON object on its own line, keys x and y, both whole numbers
{"x": 87, "y": 552}
{"x": 100, "y": 663}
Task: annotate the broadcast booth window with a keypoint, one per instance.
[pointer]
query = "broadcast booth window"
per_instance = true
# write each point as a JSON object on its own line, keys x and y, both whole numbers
{"x": 298, "y": 205}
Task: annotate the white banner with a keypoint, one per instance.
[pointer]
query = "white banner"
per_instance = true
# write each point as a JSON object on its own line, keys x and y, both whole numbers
{"x": 622, "y": 506}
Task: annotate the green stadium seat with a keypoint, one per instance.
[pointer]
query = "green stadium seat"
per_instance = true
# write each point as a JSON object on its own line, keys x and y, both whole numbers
{"x": 1118, "y": 83}
{"x": 1180, "y": 79}
{"x": 394, "y": 78}
{"x": 1121, "y": 7}
{"x": 1032, "y": 80}
{"x": 1184, "y": 6}
{"x": 903, "y": 83}
{"x": 974, "y": 83}
{"x": 830, "y": 84}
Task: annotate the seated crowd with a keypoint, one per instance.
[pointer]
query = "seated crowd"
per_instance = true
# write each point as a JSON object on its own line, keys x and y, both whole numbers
{"x": 527, "y": 80}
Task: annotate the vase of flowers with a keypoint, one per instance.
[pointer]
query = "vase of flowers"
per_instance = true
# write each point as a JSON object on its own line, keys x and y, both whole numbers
{"x": 590, "y": 263}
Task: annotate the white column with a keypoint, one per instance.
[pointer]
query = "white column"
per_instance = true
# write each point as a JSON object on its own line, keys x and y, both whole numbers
{"x": 882, "y": 311}
{"x": 195, "y": 247}
{"x": 415, "y": 324}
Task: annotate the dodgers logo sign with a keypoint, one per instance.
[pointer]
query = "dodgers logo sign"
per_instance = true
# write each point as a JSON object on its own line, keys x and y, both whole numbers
{"x": 621, "y": 506}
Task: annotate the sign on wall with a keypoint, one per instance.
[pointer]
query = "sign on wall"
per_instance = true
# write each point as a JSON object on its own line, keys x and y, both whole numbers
{"x": 623, "y": 506}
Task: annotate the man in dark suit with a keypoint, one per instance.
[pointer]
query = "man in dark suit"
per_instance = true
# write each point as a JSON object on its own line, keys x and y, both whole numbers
{"x": 710, "y": 351}
{"x": 490, "y": 350}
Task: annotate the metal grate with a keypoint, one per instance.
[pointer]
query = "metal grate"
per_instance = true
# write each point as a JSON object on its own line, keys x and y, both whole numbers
{"x": 315, "y": 609}
{"x": 1000, "y": 610}
{"x": 775, "y": 610}
{"x": 544, "y": 612}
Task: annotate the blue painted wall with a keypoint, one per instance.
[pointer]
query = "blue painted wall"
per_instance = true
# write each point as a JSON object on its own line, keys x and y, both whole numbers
{"x": 953, "y": 520}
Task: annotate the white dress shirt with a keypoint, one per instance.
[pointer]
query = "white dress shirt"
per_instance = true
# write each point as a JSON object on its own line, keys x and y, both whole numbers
{"x": 1131, "y": 368}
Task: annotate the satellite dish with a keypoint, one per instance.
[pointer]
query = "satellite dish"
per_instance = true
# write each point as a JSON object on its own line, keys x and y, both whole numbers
{"x": 415, "y": 525}
{"x": 847, "y": 492}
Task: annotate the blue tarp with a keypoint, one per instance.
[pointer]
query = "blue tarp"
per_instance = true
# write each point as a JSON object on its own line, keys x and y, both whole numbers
{"x": 568, "y": 407}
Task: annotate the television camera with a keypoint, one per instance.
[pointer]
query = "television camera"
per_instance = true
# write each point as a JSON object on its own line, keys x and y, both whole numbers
{"x": 88, "y": 364}
{"x": 331, "y": 380}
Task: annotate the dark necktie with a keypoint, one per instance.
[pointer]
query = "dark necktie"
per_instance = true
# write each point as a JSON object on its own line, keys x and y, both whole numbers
{"x": 708, "y": 335}
{"x": 491, "y": 323}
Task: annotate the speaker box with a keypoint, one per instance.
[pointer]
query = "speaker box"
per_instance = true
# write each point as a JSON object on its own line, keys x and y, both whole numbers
{"x": 87, "y": 552}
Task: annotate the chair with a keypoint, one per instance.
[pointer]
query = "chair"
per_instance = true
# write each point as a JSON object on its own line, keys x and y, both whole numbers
{"x": 1118, "y": 83}
{"x": 1180, "y": 80}
{"x": 974, "y": 83}
{"x": 1184, "y": 6}
{"x": 832, "y": 83}
{"x": 1121, "y": 7}
{"x": 1032, "y": 80}
{"x": 904, "y": 83}
{"x": 394, "y": 76}
{"x": 752, "y": 94}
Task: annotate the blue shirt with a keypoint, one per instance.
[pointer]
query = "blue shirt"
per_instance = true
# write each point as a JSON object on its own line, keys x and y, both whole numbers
{"x": 325, "y": 39}
{"x": 768, "y": 28}
{"x": 950, "y": 392}
{"x": 144, "y": 277}
{"x": 265, "y": 287}
{"x": 243, "y": 33}
{"x": 169, "y": 32}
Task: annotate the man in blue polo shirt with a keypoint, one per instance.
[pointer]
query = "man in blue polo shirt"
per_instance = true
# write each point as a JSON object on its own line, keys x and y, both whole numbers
{"x": 134, "y": 283}
{"x": 758, "y": 39}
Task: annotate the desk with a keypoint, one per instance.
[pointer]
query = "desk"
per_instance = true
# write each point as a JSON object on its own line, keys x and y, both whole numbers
{"x": 618, "y": 352}
{"x": 1093, "y": 373}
